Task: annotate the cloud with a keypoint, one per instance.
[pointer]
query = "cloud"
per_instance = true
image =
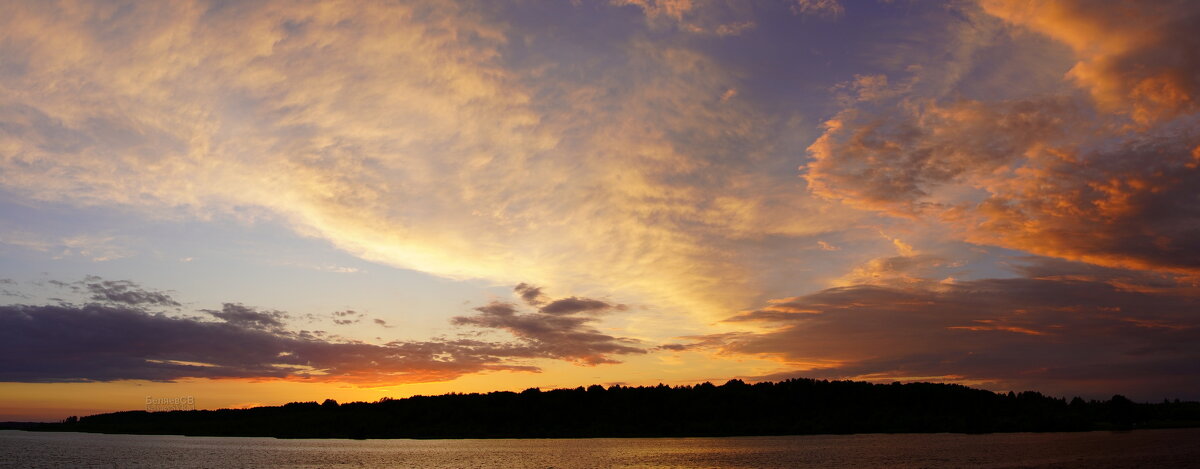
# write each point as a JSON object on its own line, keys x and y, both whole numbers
{"x": 532, "y": 295}
{"x": 827, "y": 246}
{"x": 4, "y": 291}
{"x": 443, "y": 137}
{"x": 894, "y": 270}
{"x": 574, "y": 305}
{"x": 382, "y": 323}
{"x": 896, "y": 155}
{"x": 555, "y": 330}
{"x": 1135, "y": 58}
{"x": 1059, "y": 172}
{"x": 824, "y": 8}
{"x": 107, "y": 343}
{"x": 348, "y": 317}
{"x": 122, "y": 339}
{"x": 1033, "y": 175}
{"x": 343, "y": 318}
{"x": 96, "y": 247}
{"x": 249, "y": 318}
{"x": 1069, "y": 329}
{"x": 710, "y": 18}
{"x": 125, "y": 292}
{"x": 556, "y": 334}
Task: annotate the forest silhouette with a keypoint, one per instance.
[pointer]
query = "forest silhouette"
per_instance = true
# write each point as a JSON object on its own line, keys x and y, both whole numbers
{"x": 791, "y": 407}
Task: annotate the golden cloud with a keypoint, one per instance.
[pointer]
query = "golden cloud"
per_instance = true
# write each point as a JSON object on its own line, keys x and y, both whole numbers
{"x": 409, "y": 135}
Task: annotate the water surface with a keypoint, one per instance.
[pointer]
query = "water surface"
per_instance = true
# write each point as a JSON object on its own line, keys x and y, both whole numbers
{"x": 1142, "y": 448}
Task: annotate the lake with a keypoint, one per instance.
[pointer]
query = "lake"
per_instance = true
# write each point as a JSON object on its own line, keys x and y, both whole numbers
{"x": 1142, "y": 448}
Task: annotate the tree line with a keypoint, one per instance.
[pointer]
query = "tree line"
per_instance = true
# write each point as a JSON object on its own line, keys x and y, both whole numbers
{"x": 791, "y": 407}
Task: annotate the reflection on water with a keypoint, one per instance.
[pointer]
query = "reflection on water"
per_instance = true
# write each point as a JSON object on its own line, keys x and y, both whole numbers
{"x": 1143, "y": 448}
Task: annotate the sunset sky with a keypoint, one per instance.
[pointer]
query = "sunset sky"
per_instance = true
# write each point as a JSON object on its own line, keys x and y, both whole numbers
{"x": 262, "y": 202}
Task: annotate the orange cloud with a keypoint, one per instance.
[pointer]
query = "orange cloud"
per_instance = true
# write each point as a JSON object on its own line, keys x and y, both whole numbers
{"x": 1042, "y": 175}
{"x": 719, "y": 18}
{"x": 1134, "y": 57}
{"x": 1052, "y": 174}
{"x": 893, "y": 158}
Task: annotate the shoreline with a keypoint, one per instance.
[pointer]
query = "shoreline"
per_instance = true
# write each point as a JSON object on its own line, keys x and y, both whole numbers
{"x": 651, "y": 437}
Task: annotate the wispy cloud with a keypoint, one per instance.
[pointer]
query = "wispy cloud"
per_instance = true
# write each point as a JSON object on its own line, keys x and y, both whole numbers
{"x": 421, "y": 135}
{"x": 95, "y": 247}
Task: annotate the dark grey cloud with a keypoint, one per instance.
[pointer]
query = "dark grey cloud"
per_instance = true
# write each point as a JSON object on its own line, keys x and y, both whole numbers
{"x": 125, "y": 292}
{"x": 8, "y": 292}
{"x": 532, "y": 295}
{"x": 105, "y": 342}
{"x": 62, "y": 284}
{"x": 1068, "y": 330}
{"x": 552, "y": 335}
{"x": 114, "y": 292}
{"x": 381, "y": 322}
{"x": 347, "y": 317}
{"x": 701, "y": 342}
{"x": 115, "y": 340}
{"x": 247, "y": 317}
{"x": 574, "y": 305}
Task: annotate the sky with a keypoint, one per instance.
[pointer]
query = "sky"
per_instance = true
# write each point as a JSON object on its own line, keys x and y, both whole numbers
{"x": 253, "y": 203}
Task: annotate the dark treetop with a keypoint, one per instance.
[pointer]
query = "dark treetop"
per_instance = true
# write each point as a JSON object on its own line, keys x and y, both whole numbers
{"x": 797, "y": 406}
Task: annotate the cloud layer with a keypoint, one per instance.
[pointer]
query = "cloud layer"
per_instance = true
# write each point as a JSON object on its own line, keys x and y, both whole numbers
{"x": 641, "y": 148}
{"x": 121, "y": 339}
{"x": 442, "y": 137}
{"x": 1059, "y": 328}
